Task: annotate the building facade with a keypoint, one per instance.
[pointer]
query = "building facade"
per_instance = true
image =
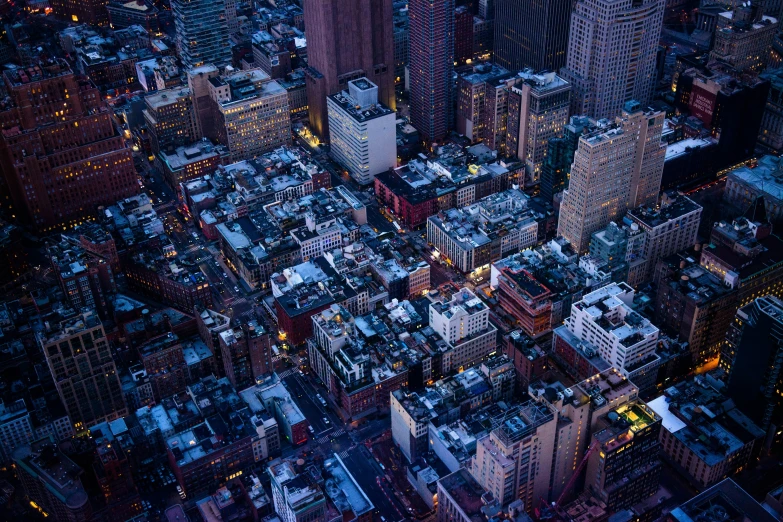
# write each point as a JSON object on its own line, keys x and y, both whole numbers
{"x": 612, "y": 54}
{"x": 431, "y": 29}
{"x": 362, "y": 131}
{"x": 347, "y": 40}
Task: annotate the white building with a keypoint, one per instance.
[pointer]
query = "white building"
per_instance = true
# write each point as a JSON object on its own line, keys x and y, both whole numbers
{"x": 464, "y": 324}
{"x": 362, "y": 131}
{"x": 604, "y": 318}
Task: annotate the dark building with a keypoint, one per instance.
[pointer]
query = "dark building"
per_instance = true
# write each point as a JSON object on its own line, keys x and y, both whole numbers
{"x": 59, "y": 150}
{"x": 53, "y": 481}
{"x": 463, "y": 35}
{"x": 560, "y": 156}
{"x": 693, "y": 304}
{"x": 90, "y": 12}
{"x": 532, "y": 34}
{"x": 431, "y": 26}
{"x": 625, "y": 467}
{"x": 113, "y": 471}
{"x": 295, "y": 310}
{"x": 347, "y": 40}
{"x": 139, "y": 12}
{"x": 728, "y": 106}
{"x": 246, "y": 354}
{"x": 723, "y": 501}
{"x": 752, "y": 357}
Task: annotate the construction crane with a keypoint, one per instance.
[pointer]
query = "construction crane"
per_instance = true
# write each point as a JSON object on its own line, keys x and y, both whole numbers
{"x": 548, "y": 512}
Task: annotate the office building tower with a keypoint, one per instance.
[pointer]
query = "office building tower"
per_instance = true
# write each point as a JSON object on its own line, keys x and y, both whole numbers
{"x": 431, "y": 26}
{"x": 246, "y": 354}
{"x": 347, "y": 40}
{"x": 482, "y": 104}
{"x": 694, "y": 303}
{"x": 52, "y": 481}
{"x": 363, "y": 131}
{"x": 250, "y": 113}
{"x": 77, "y": 352}
{"x": 614, "y": 169}
{"x": 532, "y": 34}
{"x": 57, "y": 132}
{"x": 624, "y": 465}
{"x": 556, "y": 168}
{"x": 612, "y": 54}
{"x": 199, "y": 87}
{"x": 170, "y": 119}
{"x": 743, "y": 37}
{"x": 463, "y": 35}
{"x": 752, "y": 358}
{"x": 90, "y": 12}
{"x": 538, "y": 107}
{"x": 668, "y": 229}
{"x": 515, "y": 460}
{"x": 710, "y": 503}
{"x": 202, "y": 32}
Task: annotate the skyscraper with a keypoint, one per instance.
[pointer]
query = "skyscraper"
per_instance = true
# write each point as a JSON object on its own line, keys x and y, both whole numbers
{"x": 202, "y": 32}
{"x": 611, "y": 54}
{"x": 84, "y": 372}
{"x": 431, "y": 66}
{"x": 346, "y": 40}
{"x": 532, "y": 34}
{"x": 752, "y": 358}
{"x": 615, "y": 168}
{"x": 59, "y": 151}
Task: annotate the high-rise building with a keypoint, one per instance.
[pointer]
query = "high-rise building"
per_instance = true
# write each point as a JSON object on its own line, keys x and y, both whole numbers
{"x": 347, "y": 40}
{"x": 625, "y": 467}
{"x": 431, "y": 24}
{"x": 463, "y": 35}
{"x": 752, "y": 358}
{"x": 250, "y": 113}
{"x": 363, "y": 131}
{"x": 79, "y": 358}
{"x": 612, "y": 54}
{"x": 52, "y": 480}
{"x": 202, "y": 32}
{"x": 246, "y": 354}
{"x": 515, "y": 460}
{"x": 57, "y": 132}
{"x": 538, "y": 107}
{"x": 614, "y": 169}
{"x": 90, "y": 12}
{"x": 532, "y": 34}
{"x": 743, "y": 37}
{"x": 556, "y": 169}
{"x": 668, "y": 229}
{"x": 170, "y": 119}
{"x": 198, "y": 84}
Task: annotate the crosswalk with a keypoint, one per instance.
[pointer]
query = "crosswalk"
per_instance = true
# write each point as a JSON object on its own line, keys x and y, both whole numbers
{"x": 344, "y": 454}
{"x": 327, "y": 438}
{"x": 287, "y": 373}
